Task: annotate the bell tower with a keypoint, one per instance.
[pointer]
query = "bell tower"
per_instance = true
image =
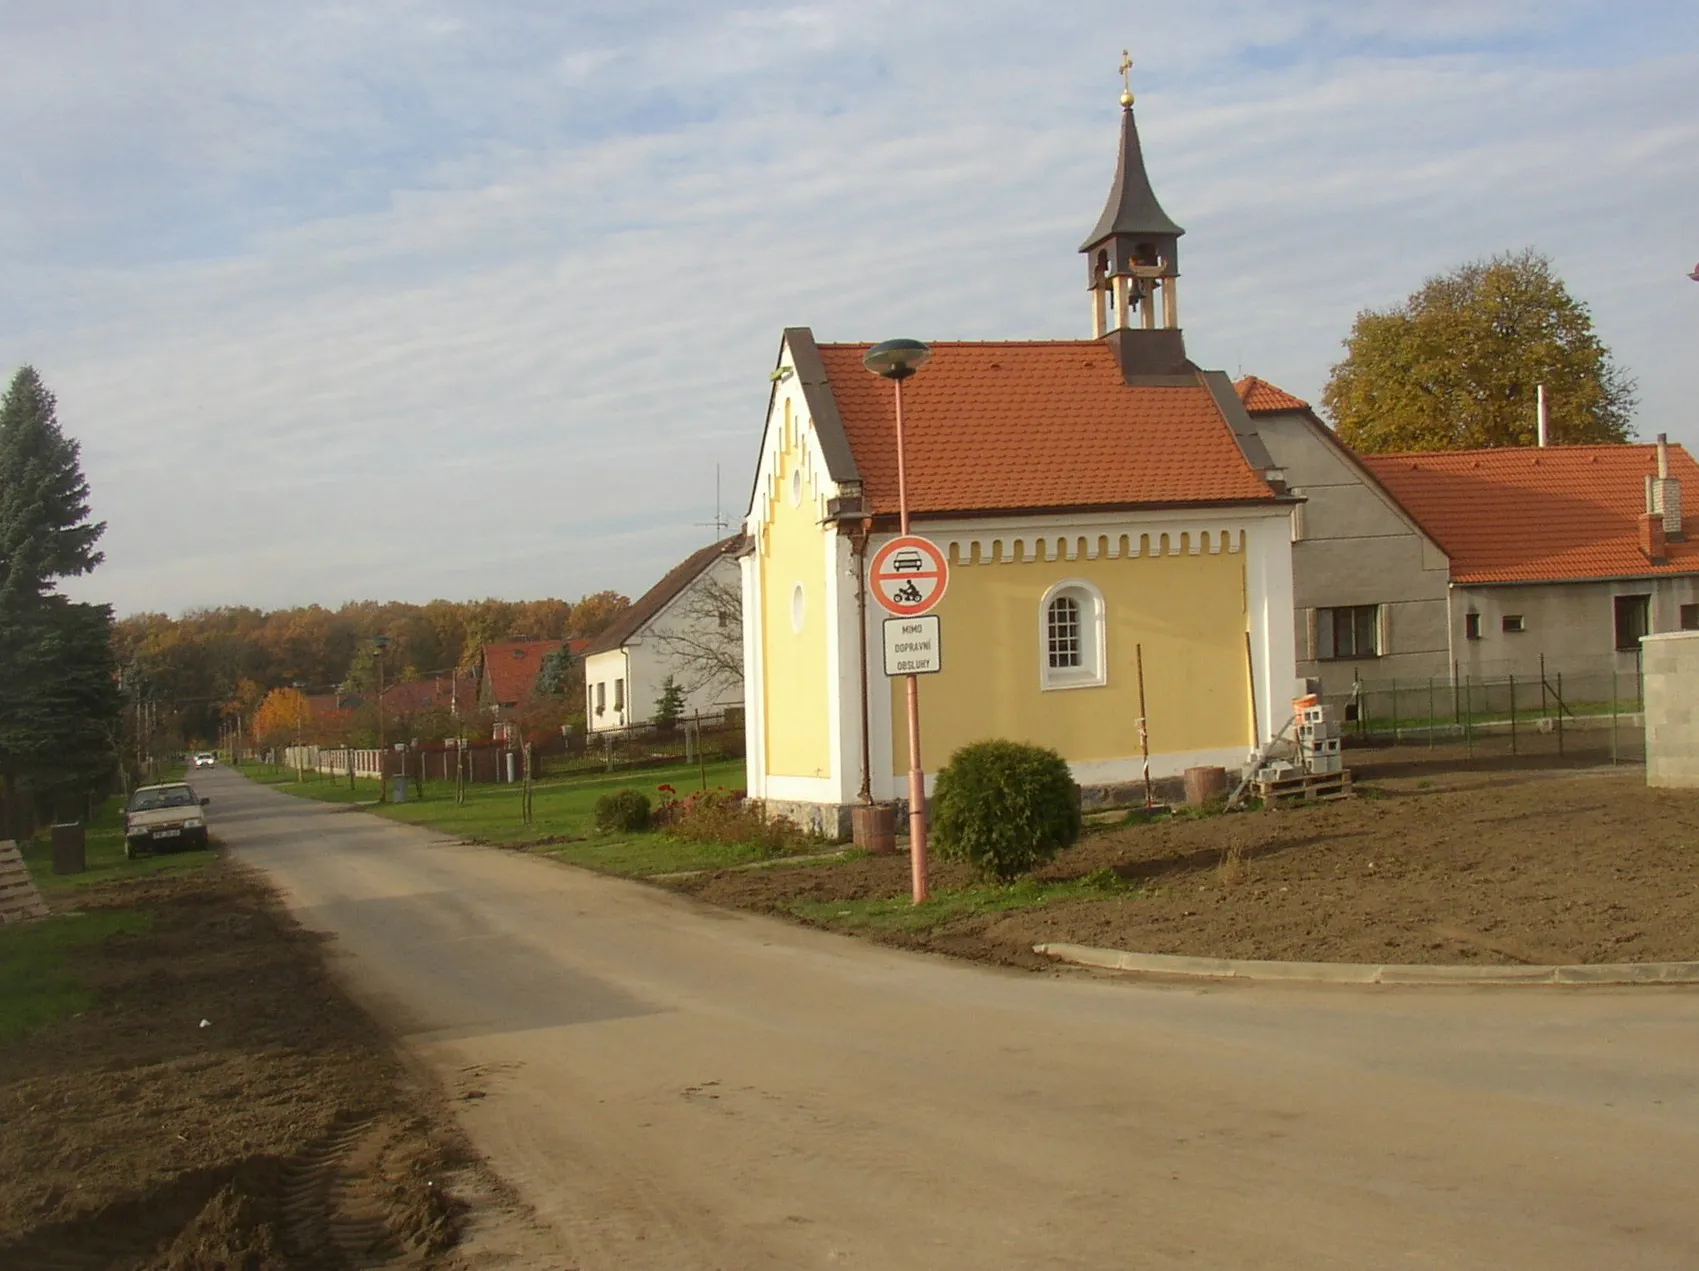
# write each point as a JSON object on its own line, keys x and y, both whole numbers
{"x": 1133, "y": 254}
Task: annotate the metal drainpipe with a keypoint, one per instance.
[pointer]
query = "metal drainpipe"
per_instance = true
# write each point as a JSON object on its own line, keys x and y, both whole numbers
{"x": 859, "y": 543}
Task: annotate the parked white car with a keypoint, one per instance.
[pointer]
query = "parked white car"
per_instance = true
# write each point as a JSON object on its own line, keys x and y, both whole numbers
{"x": 164, "y": 817}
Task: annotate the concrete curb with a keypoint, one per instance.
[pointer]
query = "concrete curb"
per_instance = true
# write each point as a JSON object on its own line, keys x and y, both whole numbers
{"x": 1369, "y": 973}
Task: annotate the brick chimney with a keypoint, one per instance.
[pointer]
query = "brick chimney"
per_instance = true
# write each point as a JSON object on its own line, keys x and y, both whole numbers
{"x": 1663, "y": 494}
{"x": 1652, "y": 537}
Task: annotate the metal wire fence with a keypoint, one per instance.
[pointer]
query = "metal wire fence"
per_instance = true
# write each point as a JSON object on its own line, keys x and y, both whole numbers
{"x": 1587, "y": 713}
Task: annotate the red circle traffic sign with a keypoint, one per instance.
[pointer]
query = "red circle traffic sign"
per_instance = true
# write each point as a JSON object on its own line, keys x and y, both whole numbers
{"x": 909, "y": 575}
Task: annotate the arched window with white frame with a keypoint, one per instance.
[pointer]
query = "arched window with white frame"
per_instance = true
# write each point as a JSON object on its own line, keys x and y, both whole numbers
{"x": 1071, "y": 650}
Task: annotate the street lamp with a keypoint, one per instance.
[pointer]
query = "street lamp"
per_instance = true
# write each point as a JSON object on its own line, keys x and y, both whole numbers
{"x": 896, "y": 360}
{"x": 300, "y": 701}
{"x": 380, "y": 643}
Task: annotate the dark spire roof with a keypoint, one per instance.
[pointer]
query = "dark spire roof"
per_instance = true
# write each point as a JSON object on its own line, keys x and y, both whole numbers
{"x": 1132, "y": 207}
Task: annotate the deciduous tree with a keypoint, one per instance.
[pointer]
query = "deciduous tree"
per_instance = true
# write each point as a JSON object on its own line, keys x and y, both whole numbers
{"x": 593, "y": 614}
{"x": 1457, "y": 365}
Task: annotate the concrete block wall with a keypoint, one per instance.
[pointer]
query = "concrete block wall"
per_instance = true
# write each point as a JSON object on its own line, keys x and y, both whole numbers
{"x": 1672, "y": 708}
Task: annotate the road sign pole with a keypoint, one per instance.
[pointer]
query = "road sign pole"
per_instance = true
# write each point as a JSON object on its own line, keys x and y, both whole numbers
{"x": 916, "y": 774}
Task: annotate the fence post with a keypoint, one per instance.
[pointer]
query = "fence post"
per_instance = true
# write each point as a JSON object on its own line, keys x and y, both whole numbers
{"x": 1544, "y": 709}
{"x": 1614, "y": 758}
{"x": 1560, "y": 709}
{"x": 1394, "y": 712}
{"x": 1468, "y": 717}
{"x": 1430, "y": 712}
{"x": 1513, "y": 714}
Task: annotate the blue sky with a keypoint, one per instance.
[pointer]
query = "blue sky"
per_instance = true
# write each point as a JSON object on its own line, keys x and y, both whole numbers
{"x": 435, "y": 297}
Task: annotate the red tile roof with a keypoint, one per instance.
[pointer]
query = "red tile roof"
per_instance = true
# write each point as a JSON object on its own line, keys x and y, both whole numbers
{"x": 409, "y": 697}
{"x": 1262, "y": 398}
{"x": 1016, "y": 425}
{"x": 511, "y": 666}
{"x": 1524, "y": 514}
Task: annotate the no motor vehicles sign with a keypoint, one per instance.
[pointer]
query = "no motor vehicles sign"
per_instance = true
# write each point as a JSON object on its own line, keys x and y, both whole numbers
{"x": 909, "y": 575}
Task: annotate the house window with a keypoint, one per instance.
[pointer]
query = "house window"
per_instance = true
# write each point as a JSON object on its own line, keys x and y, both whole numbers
{"x": 1471, "y": 626}
{"x": 601, "y": 697}
{"x": 1633, "y": 620}
{"x": 1350, "y": 632}
{"x": 619, "y": 695}
{"x": 1690, "y": 617}
{"x": 725, "y": 619}
{"x": 1513, "y": 622}
{"x": 1064, "y": 632}
{"x": 1071, "y": 636}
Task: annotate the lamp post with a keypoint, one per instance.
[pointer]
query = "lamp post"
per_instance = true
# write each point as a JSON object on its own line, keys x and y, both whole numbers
{"x": 300, "y": 702}
{"x": 380, "y": 643}
{"x": 896, "y": 360}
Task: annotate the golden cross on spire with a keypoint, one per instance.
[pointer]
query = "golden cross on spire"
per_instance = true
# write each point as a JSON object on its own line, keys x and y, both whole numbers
{"x": 1126, "y": 78}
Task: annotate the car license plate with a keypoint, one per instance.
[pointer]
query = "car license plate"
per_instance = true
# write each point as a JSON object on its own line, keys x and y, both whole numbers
{"x": 167, "y": 834}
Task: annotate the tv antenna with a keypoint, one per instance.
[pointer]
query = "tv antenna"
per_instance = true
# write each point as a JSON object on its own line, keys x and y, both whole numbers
{"x": 719, "y": 524}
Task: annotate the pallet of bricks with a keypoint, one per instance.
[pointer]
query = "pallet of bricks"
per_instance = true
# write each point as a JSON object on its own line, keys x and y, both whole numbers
{"x": 18, "y": 897}
{"x": 1319, "y": 773}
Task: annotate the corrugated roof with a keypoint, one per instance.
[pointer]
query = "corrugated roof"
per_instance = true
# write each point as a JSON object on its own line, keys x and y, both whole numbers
{"x": 1262, "y": 398}
{"x": 511, "y": 666}
{"x": 1017, "y": 425}
{"x": 660, "y": 595}
{"x": 1532, "y": 514}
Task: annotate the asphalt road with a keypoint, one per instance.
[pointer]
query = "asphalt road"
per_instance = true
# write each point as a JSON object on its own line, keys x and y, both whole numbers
{"x": 678, "y": 1087}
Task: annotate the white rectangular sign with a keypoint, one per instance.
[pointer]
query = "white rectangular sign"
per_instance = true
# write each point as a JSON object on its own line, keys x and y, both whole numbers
{"x": 912, "y": 646}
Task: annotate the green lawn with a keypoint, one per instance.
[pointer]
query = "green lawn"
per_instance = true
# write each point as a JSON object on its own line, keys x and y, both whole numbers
{"x": 37, "y": 986}
{"x": 563, "y": 815}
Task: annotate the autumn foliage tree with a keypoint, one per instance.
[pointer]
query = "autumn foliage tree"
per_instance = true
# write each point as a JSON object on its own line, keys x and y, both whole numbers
{"x": 1458, "y": 364}
{"x": 283, "y": 715}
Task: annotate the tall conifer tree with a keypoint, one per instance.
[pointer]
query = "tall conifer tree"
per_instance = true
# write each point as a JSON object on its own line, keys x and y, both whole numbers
{"x": 58, "y": 696}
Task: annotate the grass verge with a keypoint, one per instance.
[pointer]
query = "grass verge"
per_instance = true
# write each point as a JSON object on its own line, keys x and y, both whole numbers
{"x": 563, "y": 816}
{"x": 900, "y": 914}
{"x": 37, "y": 983}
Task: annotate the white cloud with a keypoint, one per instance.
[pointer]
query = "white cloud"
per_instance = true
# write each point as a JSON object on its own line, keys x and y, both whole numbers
{"x": 444, "y": 298}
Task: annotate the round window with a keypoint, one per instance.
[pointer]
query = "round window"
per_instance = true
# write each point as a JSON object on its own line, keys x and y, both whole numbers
{"x": 796, "y": 488}
{"x": 799, "y": 608}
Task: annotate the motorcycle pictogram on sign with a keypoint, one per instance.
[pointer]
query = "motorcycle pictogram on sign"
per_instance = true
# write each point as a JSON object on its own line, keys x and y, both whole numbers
{"x": 909, "y": 574}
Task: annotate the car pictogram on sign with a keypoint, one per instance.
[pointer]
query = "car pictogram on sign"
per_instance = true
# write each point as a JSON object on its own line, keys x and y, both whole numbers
{"x": 907, "y": 560}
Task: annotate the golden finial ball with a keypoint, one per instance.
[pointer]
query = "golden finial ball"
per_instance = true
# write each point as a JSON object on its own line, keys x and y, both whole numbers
{"x": 1127, "y": 98}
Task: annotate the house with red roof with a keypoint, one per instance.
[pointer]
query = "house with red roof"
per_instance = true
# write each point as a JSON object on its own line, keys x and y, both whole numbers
{"x": 687, "y": 627}
{"x": 1478, "y": 563}
{"x": 1370, "y": 586}
{"x": 1118, "y": 543}
{"x": 1570, "y": 553}
{"x": 507, "y": 670}
{"x": 456, "y": 694}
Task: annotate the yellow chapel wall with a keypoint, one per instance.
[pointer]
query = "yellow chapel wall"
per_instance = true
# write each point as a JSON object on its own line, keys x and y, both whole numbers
{"x": 796, "y": 673}
{"x": 1188, "y": 611}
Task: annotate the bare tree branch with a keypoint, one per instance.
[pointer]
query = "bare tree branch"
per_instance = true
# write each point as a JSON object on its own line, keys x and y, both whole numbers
{"x": 706, "y": 640}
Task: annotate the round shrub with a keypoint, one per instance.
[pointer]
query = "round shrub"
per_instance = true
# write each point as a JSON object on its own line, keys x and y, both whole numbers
{"x": 626, "y": 810}
{"x": 1005, "y": 808}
